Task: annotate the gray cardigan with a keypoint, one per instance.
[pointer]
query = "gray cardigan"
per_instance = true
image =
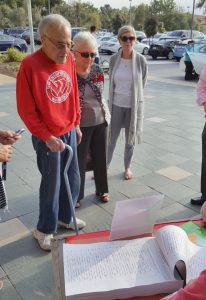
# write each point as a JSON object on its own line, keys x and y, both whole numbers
{"x": 139, "y": 70}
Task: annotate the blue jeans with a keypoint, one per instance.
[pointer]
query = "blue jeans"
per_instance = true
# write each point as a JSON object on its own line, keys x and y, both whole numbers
{"x": 53, "y": 198}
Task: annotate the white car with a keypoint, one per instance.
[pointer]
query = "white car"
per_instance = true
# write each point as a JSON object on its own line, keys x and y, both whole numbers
{"x": 153, "y": 39}
{"x": 113, "y": 46}
{"x": 197, "y": 55}
{"x": 101, "y": 40}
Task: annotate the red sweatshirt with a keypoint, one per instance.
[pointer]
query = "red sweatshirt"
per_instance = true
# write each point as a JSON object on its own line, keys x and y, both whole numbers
{"x": 196, "y": 290}
{"x": 47, "y": 95}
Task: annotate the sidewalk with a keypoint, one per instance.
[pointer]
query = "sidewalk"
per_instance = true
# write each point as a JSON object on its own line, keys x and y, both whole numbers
{"x": 168, "y": 162}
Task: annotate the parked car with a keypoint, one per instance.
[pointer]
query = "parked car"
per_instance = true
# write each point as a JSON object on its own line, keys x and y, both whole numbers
{"x": 180, "y": 49}
{"x": 16, "y": 31}
{"x": 75, "y": 30}
{"x": 26, "y": 36}
{"x": 163, "y": 48}
{"x": 113, "y": 46}
{"x": 140, "y": 35}
{"x": 197, "y": 59}
{"x": 185, "y": 34}
{"x": 153, "y": 39}
{"x": 102, "y": 39}
{"x": 197, "y": 54}
{"x": 7, "y": 41}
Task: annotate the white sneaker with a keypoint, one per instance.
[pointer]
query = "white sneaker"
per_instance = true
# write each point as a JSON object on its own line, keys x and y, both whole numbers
{"x": 80, "y": 224}
{"x": 43, "y": 239}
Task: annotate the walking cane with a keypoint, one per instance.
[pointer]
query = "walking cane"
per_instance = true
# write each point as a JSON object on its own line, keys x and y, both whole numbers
{"x": 68, "y": 187}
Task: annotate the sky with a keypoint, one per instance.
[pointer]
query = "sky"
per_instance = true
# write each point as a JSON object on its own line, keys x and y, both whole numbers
{"x": 186, "y": 4}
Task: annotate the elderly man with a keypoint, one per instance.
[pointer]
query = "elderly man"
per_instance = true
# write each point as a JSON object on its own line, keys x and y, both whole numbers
{"x": 48, "y": 103}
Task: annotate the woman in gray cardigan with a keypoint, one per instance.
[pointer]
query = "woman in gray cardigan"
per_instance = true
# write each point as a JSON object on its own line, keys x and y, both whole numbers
{"x": 128, "y": 75}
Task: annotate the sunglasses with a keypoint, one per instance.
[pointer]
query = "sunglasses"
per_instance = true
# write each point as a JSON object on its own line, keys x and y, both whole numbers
{"x": 127, "y": 38}
{"x": 87, "y": 54}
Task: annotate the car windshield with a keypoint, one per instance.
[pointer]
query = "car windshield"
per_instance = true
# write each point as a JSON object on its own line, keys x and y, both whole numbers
{"x": 197, "y": 48}
{"x": 165, "y": 42}
{"x": 175, "y": 33}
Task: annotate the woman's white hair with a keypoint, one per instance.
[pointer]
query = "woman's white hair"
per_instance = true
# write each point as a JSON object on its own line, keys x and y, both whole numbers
{"x": 84, "y": 38}
{"x": 53, "y": 20}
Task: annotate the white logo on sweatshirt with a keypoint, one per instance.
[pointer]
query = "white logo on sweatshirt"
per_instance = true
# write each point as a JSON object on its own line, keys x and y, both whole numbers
{"x": 58, "y": 86}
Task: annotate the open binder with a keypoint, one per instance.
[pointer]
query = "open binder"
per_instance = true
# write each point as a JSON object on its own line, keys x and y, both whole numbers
{"x": 57, "y": 257}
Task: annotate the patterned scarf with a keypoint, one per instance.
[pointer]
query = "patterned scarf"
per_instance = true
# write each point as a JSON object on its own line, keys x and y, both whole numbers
{"x": 95, "y": 80}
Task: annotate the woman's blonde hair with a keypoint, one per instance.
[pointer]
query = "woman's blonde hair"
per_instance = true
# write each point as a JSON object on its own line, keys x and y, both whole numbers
{"x": 126, "y": 29}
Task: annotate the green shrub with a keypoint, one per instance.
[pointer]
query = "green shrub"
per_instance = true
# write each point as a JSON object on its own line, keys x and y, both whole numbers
{"x": 3, "y": 58}
{"x": 13, "y": 54}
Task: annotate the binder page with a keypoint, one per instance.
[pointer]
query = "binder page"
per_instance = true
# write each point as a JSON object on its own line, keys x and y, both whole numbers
{"x": 113, "y": 265}
{"x": 196, "y": 263}
{"x": 175, "y": 245}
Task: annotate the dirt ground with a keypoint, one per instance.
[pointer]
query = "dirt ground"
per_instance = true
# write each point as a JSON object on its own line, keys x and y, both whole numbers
{"x": 9, "y": 69}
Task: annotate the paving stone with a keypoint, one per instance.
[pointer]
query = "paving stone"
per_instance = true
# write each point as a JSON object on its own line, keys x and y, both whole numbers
{"x": 177, "y": 211}
{"x": 25, "y": 204}
{"x": 174, "y": 173}
{"x": 154, "y": 180}
{"x": 156, "y": 120}
{"x": 12, "y": 231}
{"x": 9, "y": 292}
{"x": 175, "y": 190}
{"x": 192, "y": 182}
{"x": 173, "y": 159}
{"x": 191, "y": 167}
{"x": 154, "y": 164}
{"x": 2, "y": 273}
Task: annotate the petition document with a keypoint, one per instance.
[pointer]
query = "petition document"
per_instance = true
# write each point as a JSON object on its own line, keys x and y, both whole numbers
{"x": 141, "y": 213}
{"x": 113, "y": 265}
{"x": 176, "y": 246}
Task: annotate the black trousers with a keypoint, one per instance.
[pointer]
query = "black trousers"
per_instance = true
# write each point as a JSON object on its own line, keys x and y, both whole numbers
{"x": 203, "y": 172}
{"x": 93, "y": 140}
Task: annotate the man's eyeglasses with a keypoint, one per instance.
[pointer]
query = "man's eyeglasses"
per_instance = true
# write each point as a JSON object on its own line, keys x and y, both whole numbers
{"x": 60, "y": 45}
{"x": 127, "y": 38}
{"x": 87, "y": 54}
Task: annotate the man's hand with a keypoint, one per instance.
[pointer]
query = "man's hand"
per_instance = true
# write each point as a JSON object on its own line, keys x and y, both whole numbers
{"x": 55, "y": 144}
{"x": 8, "y": 137}
{"x": 5, "y": 153}
{"x": 79, "y": 135}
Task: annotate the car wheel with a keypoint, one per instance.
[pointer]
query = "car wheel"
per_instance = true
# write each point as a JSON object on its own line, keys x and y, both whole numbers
{"x": 154, "y": 56}
{"x": 17, "y": 48}
{"x": 145, "y": 51}
{"x": 170, "y": 55}
{"x": 178, "y": 58}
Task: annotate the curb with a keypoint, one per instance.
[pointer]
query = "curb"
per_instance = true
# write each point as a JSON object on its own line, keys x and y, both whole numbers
{"x": 4, "y": 79}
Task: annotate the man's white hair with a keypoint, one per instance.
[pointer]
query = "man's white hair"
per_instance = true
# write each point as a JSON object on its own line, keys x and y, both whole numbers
{"x": 53, "y": 20}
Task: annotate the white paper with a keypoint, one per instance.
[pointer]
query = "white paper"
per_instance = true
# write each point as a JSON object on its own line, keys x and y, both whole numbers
{"x": 175, "y": 245}
{"x": 134, "y": 217}
{"x": 90, "y": 268}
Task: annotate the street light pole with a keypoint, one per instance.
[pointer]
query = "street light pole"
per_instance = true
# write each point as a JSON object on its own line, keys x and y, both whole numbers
{"x": 192, "y": 21}
{"x": 30, "y": 25}
{"x": 130, "y": 13}
{"x": 49, "y": 6}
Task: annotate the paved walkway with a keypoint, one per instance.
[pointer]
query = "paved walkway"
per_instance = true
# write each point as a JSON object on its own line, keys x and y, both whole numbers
{"x": 168, "y": 162}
